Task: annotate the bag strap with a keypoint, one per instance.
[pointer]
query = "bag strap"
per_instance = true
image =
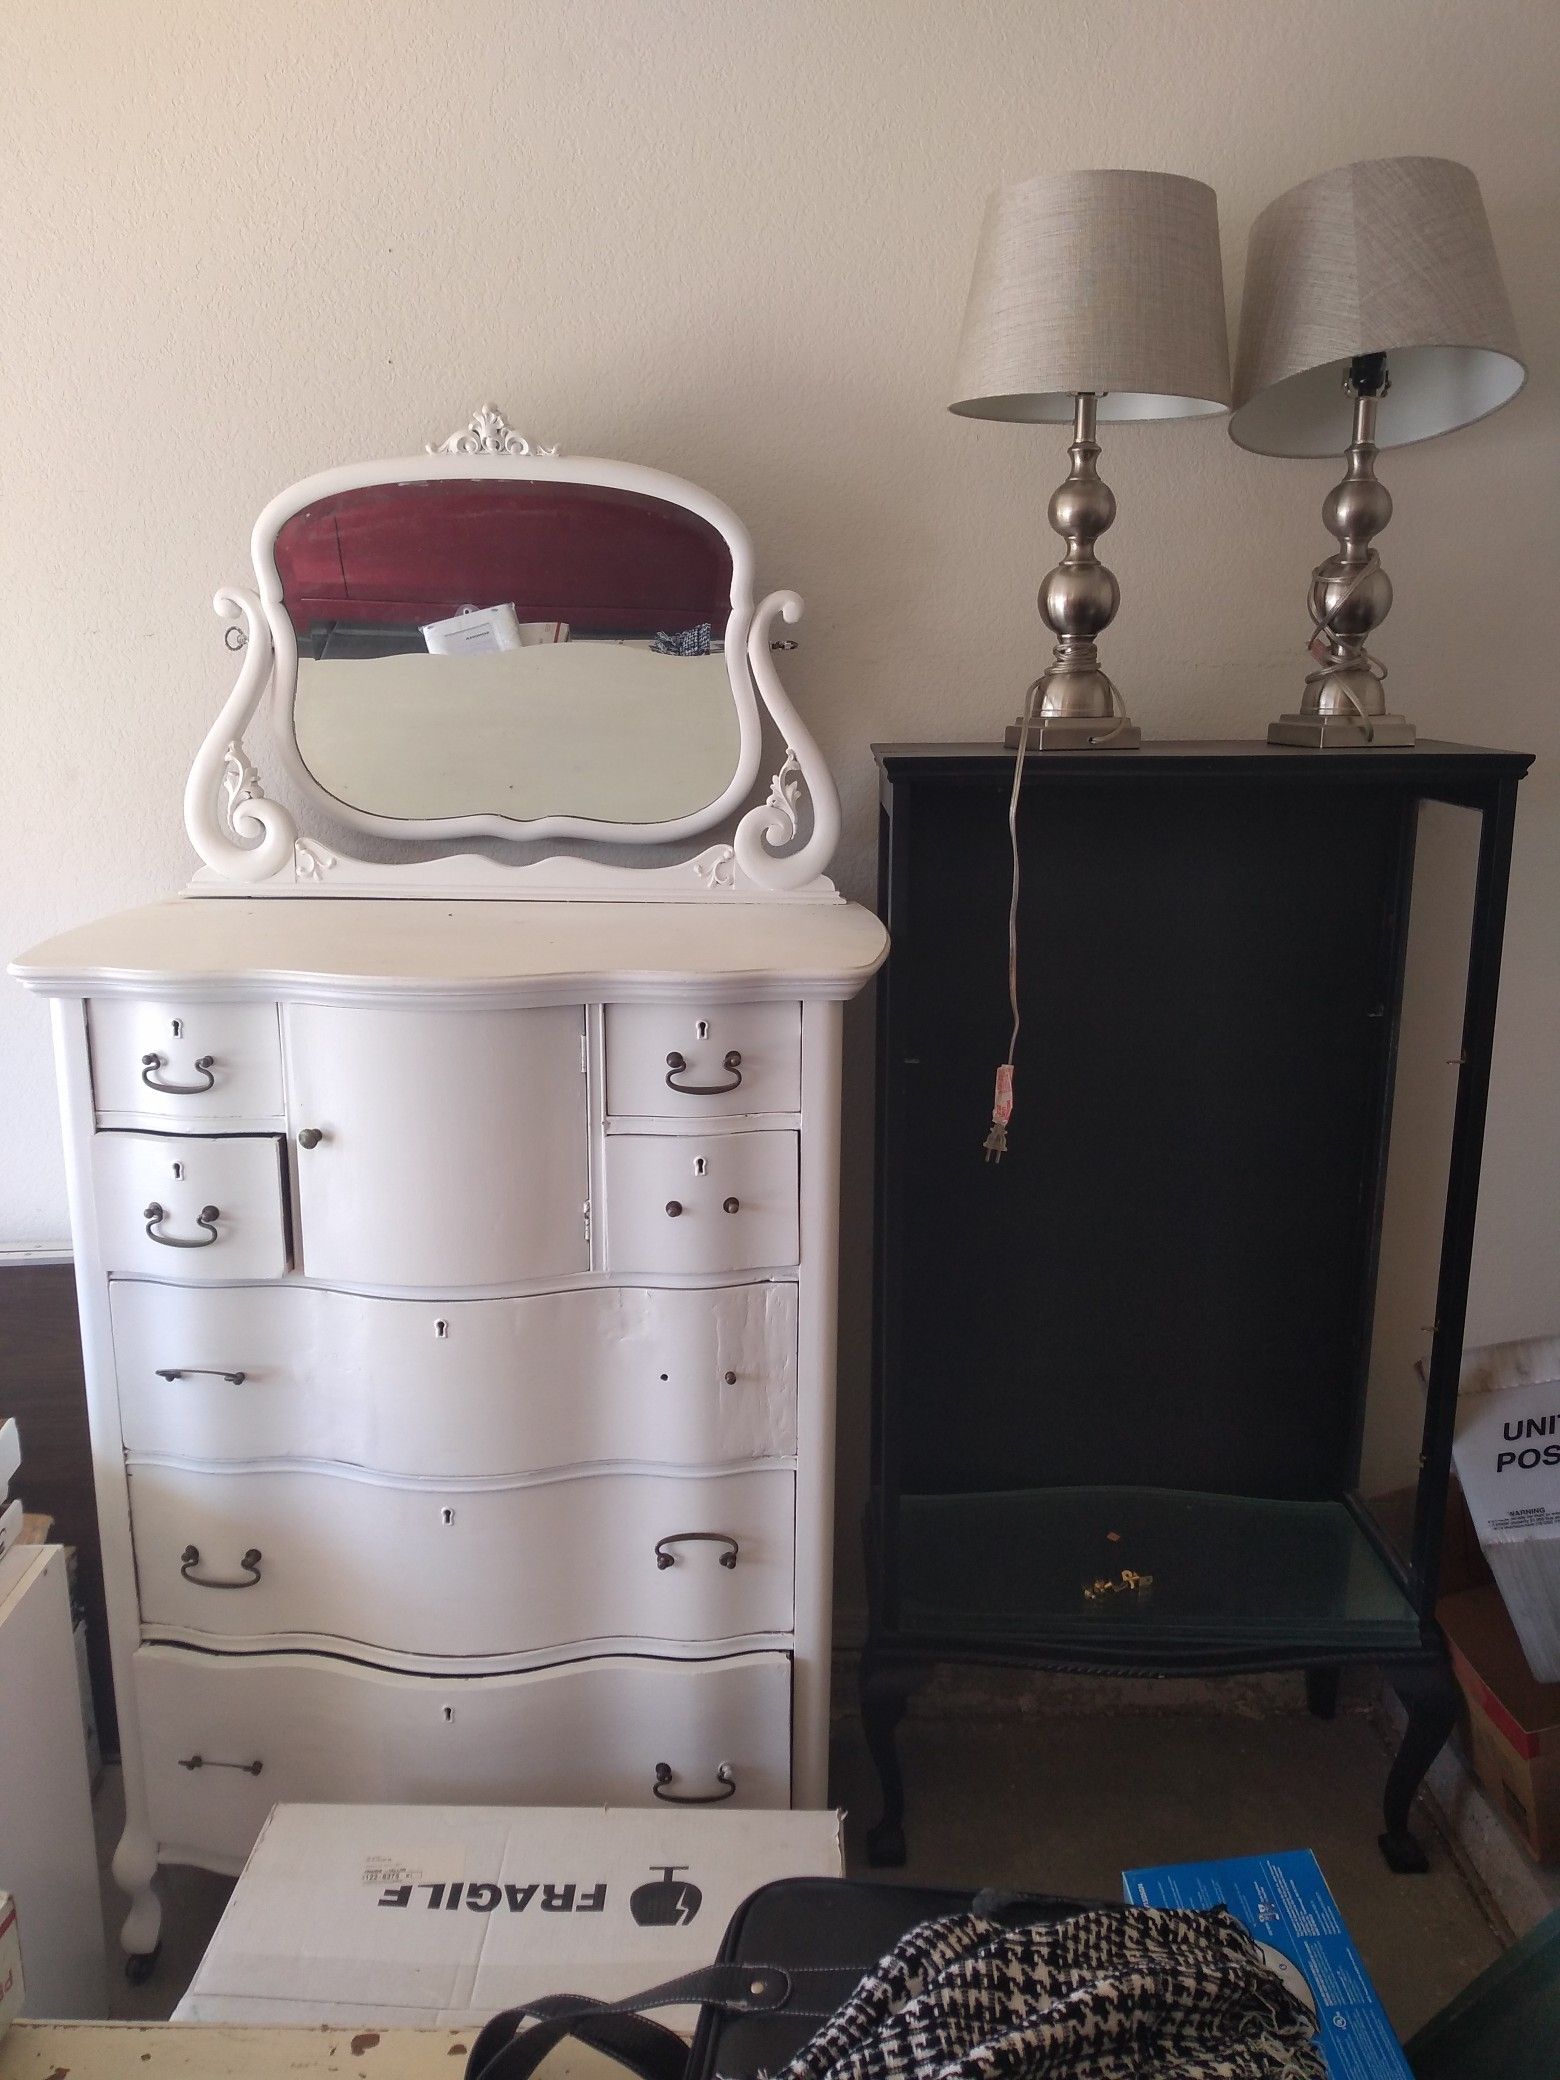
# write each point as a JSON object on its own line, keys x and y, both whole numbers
{"x": 504, "y": 2050}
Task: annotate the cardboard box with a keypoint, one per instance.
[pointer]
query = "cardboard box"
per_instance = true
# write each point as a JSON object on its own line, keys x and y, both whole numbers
{"x": 422, "y": 1916}
{"x": 1513, "y": 1719}
{"x": 12, "y": 1991}
{"x": 1285, "y": 1904}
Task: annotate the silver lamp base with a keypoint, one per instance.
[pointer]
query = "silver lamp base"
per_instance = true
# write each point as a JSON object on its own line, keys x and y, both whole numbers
{"x": 1315, "y": 732}
{"x": 1075, "y": 733}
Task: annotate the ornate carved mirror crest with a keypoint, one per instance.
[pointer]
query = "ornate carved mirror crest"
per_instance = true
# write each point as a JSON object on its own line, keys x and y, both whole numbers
{"x": 490, "y": 640}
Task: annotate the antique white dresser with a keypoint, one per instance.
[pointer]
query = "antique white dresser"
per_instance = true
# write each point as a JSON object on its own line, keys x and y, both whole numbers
{"x": 456, "y": 1232}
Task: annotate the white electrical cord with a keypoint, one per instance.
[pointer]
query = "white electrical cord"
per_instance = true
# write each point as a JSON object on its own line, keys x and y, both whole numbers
{"x": 1002, "y": 1103}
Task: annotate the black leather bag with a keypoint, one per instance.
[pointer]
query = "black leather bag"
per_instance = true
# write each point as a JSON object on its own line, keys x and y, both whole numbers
{"x": 793, "y": 1953}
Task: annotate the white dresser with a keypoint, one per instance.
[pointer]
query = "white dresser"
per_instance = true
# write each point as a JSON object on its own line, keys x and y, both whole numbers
{"x": 456, "y": 1248}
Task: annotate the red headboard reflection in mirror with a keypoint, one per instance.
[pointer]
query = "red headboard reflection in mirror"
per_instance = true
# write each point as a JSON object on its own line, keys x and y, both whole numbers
{"x": 607, "y": 561}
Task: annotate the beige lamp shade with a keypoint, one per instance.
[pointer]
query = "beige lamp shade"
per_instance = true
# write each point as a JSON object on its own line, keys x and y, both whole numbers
{"x": 1391, "y": 256}
{"x": 1107, "y": 282}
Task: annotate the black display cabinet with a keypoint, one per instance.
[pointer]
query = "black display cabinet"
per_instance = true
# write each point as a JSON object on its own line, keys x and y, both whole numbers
{"x": 1120, "y": 1378}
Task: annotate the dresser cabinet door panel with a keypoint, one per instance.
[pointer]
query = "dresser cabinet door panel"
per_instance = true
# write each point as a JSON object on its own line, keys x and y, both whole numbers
{"x": 182, "y": 1206}
{"x": 191, "y": 1068}
{"x": 710, "y": 1202}
{"x": 324, "y": 1730}
{"x": 464, "y": 1571}
{"x": 452, "y": 1146}
{"x": 703, "y": 1060}
{"x": 460, "y": 1388}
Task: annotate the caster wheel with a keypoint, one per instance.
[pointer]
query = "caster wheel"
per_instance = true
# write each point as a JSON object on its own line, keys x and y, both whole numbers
{"x": 886, "y": 1846}
{"x": 1403, "y": 1854}
{"x": 140, "y": 1965}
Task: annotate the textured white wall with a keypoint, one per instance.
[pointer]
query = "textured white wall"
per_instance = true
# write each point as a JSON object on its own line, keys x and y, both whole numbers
{"x": 730, "y": 238}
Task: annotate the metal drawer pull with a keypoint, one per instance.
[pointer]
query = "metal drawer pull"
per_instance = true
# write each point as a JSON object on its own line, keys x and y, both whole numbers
{"x": 673, "y": 1208}
{"x": 250, "y": 1769}
{"x": 206, "y": 1218}
{"x": 234, "y": 1379}
{"x": 678, "y": 1538}
{"x": 151, "y": 1063}
{"x": 664, "y": 1775}
{"x": 189, "y": 1560}
{"x": 310, "y": 1137}
{"x": 676, "y": 1065}
{"x": 731, "y": 1205}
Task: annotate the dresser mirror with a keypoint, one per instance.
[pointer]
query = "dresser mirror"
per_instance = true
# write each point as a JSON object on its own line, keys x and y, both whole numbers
{"x": 521, "y": 649}
{"x": 492, "y": 640}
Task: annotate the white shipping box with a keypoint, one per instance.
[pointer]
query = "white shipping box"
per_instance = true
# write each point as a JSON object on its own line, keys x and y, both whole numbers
{"x": 422, "y": 1916}
{"x": 12, "y": 1991}
{"x": 1507, "y": 1455}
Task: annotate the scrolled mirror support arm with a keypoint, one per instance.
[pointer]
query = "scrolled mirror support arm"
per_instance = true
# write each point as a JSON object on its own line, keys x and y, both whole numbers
{"x": 774, "y": 823}
{"x": 255, "y": 838}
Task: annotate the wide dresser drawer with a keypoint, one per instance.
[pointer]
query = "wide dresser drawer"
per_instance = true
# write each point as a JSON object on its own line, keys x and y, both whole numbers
{"x": 635, "y": 1374}
{"x": 488, "y": 1570}
{"x": 227, "y": 1736}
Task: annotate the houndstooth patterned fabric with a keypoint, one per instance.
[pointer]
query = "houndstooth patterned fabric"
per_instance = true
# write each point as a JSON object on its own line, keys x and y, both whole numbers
{"x": 683, "y": 642}
{"x": 1134, "y": 1993}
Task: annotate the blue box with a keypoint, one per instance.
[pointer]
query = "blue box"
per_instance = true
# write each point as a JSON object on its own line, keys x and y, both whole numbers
{"x": 1284, "y": 1903}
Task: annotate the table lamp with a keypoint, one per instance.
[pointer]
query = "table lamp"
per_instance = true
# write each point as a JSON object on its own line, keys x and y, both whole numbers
{"x": 1095, "y": 296}
{"x": 1374, "y": 315}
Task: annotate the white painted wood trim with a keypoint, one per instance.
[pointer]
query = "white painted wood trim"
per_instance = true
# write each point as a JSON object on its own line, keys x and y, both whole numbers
{"x": 251, "y": 845}
{"x": 817, "y": 1358}
{"x": 135, "y": 1858}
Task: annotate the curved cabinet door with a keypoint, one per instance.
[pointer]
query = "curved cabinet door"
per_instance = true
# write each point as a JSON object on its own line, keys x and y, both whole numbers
{"x": 584, "y": 1733}
{"x": 646, "y": 1375}
{"x": 452, "y": 1145}
{"x": 418, "y": 1569}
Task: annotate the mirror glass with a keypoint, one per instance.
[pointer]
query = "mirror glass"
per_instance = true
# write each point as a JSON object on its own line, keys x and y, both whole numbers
{"x": 512, "y": 648}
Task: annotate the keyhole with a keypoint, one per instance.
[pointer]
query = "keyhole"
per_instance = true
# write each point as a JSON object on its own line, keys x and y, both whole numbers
{"x": 449, "y": 1713}
{"x": 700, "y": 1165}
{"x": 441, "y": 1327}
{"x": 702, "y": 1029}
{"x": 447, "y": 1516}
{"x": 178, "y": 1029}
{"x": 178, "y": 1171}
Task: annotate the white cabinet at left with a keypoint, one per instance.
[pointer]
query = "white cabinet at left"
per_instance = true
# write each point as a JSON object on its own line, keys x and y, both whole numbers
{"x": 457, "y": 1288}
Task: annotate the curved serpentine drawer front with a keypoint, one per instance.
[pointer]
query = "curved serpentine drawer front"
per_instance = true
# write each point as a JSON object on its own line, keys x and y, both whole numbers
{"x": 228, "y": 1374}
{"x": 706, "y": 1202}
{"x": 187, "y": 1068}
{"x": 463, "y": 1571}
{"x": 225, "y": 1737}
{"x": 184, "y": 1206}
{"x": 703, "y": 1061}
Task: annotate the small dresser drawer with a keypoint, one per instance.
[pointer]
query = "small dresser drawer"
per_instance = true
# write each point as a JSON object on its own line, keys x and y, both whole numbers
{"x": 664, "y": 1375}
{"x": 190, "y": 1207}
{"x": 499, "y": 1569}
{"x": 693, "y": 1061}
{"x": 188, "y": 1067}
{"x": 226, "y": 1736}
{"x": 709, "y": 1202}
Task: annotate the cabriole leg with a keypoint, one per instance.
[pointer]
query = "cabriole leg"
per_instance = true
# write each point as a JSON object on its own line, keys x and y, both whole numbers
{"x": 1429, "y": 1694}
{"x": 883, "y": 1695}
{"x": 135, "y": 1867}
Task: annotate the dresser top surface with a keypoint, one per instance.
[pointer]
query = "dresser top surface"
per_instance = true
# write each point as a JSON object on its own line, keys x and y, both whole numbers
{"x": 477, "y": 950}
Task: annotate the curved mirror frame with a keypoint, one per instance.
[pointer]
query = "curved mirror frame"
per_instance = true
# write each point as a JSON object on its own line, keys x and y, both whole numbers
{"x": 529, "y": 467}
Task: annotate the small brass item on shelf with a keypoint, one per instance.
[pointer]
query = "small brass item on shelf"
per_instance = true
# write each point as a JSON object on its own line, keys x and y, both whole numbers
{"x": 1129, "y": 1582}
